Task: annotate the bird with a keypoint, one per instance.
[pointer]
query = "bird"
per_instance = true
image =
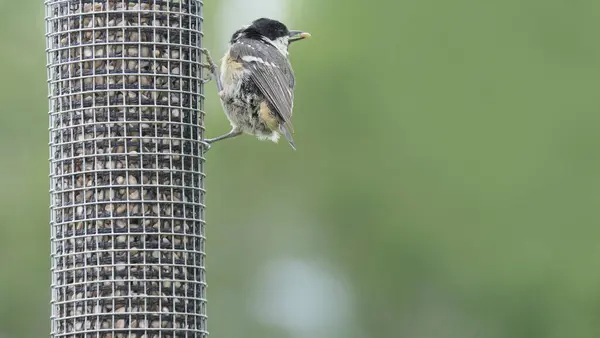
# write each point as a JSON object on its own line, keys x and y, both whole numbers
{"x": 256, "y": 81}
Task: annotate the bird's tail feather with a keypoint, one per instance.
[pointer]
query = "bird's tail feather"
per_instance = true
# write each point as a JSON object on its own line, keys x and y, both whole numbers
{"x": 287, "y": 134}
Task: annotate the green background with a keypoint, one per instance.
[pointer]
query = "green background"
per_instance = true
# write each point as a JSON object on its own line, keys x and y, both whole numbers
{"x": 447, "y": 175}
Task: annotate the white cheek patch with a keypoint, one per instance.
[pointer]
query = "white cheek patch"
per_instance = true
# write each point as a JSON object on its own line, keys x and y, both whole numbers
{"x": 280, "y": 43}
{"x": 284, "y": 41}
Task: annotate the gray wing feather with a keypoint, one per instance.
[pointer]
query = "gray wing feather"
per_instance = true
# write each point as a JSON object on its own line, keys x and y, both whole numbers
{"x": 271, "y": 72}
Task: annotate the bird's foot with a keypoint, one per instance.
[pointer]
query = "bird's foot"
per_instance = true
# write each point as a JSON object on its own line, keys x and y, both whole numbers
{"x": 212, "y": 67}
{"x": 207, "y": 79}
{"x": 206, "y": 146}
{"x": 211, "y": 64}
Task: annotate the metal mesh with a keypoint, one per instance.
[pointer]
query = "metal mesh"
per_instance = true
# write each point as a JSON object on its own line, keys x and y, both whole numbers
{"x": 126, "y": 158}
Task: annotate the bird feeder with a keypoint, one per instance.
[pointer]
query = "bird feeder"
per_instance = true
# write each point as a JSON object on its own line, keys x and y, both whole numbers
{"x": 126, "y": 168}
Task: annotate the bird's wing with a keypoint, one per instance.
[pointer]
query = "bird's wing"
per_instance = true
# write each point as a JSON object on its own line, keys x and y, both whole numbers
{"x": 271, "y": 72}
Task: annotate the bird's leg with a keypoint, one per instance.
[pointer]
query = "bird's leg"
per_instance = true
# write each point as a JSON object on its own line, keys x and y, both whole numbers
{"x": 233, "y": 133}
{"x": 214, "y": 70}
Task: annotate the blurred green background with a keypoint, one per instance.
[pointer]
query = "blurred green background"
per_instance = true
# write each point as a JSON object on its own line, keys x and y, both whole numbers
{"x": 446, "y": 182}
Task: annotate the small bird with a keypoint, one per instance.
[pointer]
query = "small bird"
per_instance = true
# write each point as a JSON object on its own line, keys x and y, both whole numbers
{"x": 256, "y": 82}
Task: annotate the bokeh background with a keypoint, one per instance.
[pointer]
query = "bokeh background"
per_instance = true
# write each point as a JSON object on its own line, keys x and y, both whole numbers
{"x": 446, "y": 183}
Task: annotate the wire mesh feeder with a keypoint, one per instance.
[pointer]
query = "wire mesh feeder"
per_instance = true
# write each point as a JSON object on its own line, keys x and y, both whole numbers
{"x": 126, "y": 125}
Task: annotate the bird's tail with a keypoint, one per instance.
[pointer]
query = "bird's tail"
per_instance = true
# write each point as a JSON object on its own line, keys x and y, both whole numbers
{"x": 284, "y": 130}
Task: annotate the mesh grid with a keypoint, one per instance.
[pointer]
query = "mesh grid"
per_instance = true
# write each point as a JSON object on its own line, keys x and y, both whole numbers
{"x": 126, "y": 158}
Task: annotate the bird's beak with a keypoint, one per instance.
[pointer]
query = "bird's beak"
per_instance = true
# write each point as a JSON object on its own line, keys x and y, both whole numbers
{"x": 298, "y": 35}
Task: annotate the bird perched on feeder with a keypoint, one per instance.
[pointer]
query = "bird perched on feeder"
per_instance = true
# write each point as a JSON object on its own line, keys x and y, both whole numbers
{"x": 256, "y": 82}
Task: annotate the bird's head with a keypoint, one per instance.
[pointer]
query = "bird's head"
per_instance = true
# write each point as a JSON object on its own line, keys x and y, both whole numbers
{"x": 270, "y": 31}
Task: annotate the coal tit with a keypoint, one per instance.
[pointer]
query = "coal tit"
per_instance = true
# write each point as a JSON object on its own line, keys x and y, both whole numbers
{"x": 256, "y": 82}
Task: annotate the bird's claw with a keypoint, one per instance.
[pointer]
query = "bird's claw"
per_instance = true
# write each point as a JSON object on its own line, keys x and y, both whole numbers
{"x": 206, "y": 145}
{"x": 212, "y": 67}
{"x": 211, "y": 64}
